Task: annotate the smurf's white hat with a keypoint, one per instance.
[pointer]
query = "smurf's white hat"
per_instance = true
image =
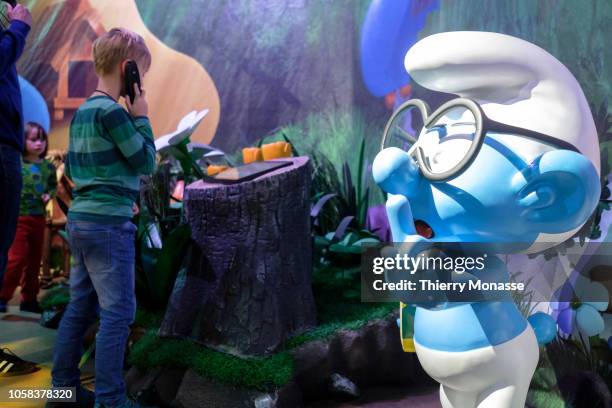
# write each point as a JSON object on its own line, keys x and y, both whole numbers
{"x": 515, "y": 82}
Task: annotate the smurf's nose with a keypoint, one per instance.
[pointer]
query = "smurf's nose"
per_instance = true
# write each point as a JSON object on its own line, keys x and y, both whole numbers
{"x": 396, "y": 172}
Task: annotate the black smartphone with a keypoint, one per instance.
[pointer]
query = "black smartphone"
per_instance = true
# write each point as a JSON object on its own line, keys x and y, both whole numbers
{"x": 131, "y": 76}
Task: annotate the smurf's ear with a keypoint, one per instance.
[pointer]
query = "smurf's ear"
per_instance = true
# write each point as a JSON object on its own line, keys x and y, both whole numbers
{"x": 562, "y": 191}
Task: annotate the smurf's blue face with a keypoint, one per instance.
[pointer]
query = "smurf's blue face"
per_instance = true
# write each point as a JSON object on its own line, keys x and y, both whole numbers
{"x": 515, "y": 189}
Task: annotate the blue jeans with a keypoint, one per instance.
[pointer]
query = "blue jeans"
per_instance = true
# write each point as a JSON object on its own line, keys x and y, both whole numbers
{"x": 101, "y": 280}
{"x": 10, "y": 195}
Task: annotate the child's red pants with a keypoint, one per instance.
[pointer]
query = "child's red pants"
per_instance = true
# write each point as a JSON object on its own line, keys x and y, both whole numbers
{"x": 24, "y": 259}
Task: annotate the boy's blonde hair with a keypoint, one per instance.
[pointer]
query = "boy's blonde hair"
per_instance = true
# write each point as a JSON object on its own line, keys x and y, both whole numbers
{"x": 117, "y": 45}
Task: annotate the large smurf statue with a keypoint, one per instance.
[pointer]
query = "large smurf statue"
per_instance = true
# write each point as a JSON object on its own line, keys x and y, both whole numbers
{"x": 514, "y": 160}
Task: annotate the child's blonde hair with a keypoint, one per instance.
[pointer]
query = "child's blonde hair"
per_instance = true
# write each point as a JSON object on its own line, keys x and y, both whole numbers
{"x": 117, "y": 45}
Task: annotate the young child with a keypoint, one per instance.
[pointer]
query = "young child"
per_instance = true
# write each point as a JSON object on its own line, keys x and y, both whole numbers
{"x": 39, "y": 185}
{"x": 109, "y": 149}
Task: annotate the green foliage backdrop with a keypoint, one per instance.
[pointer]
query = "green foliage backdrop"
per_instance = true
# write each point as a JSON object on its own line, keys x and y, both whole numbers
{"x": 577, "y": 32}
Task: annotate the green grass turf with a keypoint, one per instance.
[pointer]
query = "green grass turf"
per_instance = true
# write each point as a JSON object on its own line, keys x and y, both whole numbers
{"x": 259, "y": 373}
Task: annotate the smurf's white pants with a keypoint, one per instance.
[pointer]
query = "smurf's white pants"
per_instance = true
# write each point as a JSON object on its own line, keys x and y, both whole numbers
{"x": 487, "y": 377}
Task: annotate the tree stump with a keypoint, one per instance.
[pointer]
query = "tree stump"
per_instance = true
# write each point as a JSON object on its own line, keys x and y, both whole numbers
{"x": 248, "y": 284}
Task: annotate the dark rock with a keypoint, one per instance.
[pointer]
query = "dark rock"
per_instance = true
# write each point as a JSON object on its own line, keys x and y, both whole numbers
{"x": 336, "y": 358}
{"x": 156, "y": 386}
{"x": 343, "y": 387}
{"x": 390, "y": 358}
{"x": 357, "y": 355}
{"x": 393, "y": 365}
{"x": 289, "y": 396}
{"x": 312, "y": 368}
{"x": 370, "y": 356}
{"x": 139, "y": 382}
{"x": 585, "y": 389}
{"x": 248, "y": 287}
{"x": 165, "y": 386}
{"x": 197, "y": 392}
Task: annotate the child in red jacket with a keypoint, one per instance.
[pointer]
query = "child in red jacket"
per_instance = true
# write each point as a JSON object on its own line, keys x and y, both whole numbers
{"x": 39, "y": 185}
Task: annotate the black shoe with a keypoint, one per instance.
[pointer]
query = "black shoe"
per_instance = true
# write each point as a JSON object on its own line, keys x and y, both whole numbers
{"x": 2, "y": 306}
{"x": 11, "y": 365}
{"x": 84, "y": 399}
{"x": 30, "y": 306}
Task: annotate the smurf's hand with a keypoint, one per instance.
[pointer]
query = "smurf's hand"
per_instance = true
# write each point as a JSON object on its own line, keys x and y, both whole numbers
{"x": 396, "y": 172}
{"x": 401, "y": 220}
{"x": 407, "y": 243}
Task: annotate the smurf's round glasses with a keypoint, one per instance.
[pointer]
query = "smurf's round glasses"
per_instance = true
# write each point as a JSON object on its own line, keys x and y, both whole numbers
{"x": 446, "y": 142}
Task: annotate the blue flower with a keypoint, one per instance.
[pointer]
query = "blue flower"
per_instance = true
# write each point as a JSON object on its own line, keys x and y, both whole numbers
{"x": 583, "y": 313}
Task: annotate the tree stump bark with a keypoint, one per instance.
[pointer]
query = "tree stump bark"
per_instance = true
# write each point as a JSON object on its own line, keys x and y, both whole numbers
{"x": 248, "y": 284}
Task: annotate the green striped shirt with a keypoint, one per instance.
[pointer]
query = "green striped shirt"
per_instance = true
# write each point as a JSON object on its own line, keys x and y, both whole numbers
{"x": 108, "y": 152}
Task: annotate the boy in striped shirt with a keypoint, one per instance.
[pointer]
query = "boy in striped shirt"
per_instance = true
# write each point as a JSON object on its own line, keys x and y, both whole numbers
{"x": 109, "y": 149}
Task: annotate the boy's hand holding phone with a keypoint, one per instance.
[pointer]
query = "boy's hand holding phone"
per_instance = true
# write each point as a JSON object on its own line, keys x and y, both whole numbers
{"x": 140, "y": 106}
{"x": 132, "y": 91}
{"x": 19, "y": 13}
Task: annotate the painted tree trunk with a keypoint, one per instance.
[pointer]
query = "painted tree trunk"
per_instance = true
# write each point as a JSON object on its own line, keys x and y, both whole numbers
{"x": 248, "y": 284}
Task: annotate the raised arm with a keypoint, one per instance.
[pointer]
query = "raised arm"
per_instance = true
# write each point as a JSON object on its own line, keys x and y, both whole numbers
{"x": 12, "y": 40}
